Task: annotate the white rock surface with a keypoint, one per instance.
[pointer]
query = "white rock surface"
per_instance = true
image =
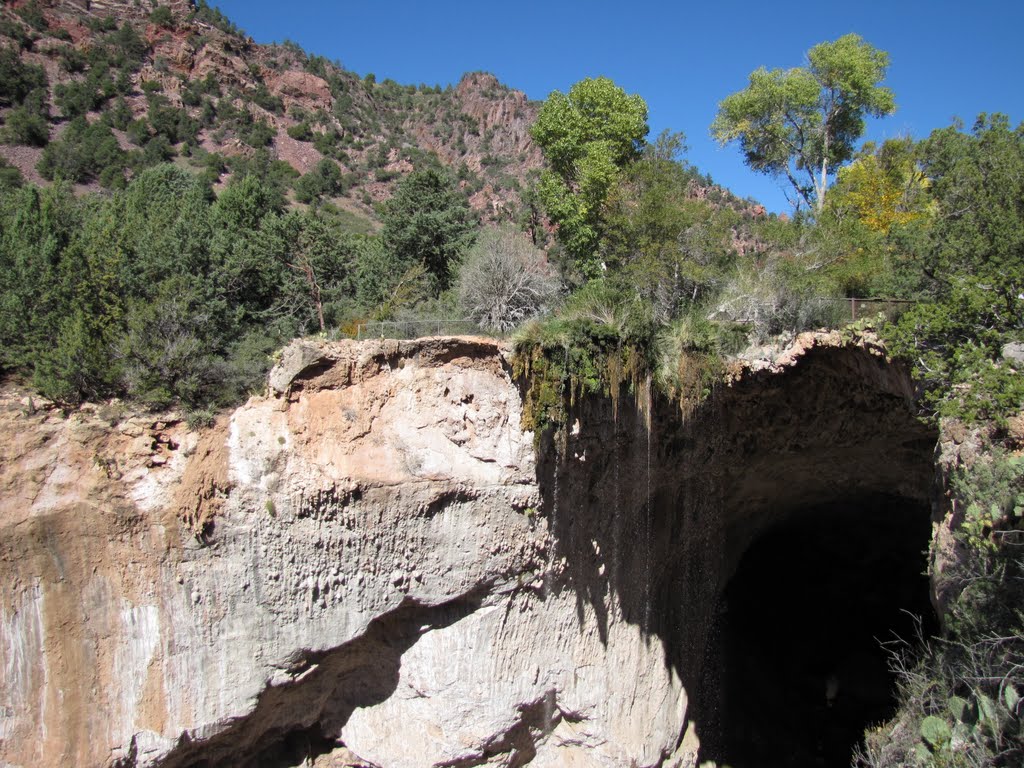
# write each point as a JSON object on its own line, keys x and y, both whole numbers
{"x": 371, "y": 563}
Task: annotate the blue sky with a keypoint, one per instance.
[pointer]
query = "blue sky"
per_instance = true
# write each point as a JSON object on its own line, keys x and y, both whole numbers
{"x": 949, "y": 59}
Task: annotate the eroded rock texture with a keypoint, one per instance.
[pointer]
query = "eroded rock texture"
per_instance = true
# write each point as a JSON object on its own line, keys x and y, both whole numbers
{"x": 373, "y": 565}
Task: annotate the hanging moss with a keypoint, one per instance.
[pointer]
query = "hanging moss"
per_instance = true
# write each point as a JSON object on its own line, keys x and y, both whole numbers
{"x": 561, "y": 361}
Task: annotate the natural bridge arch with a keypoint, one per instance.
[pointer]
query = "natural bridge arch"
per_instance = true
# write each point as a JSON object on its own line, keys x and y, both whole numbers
{"x": 385, "y": 545}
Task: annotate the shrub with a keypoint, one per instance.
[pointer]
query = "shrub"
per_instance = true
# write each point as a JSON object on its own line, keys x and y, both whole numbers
{"x": 171, "y": 122}
{"x": 82, "y": 153}
{"x": 775, "y": 297}
{"x": 166, "y": 354}
{"x": 18, "y": 79}
{"x": 161, "y": 16}
{"x": 119, "y": 116}
{"x": 258, "y": 134}
{"x": 72, "y": 60}
{"x": 32, "y": 15}
{"x": 26, "y": 126}
{"x": 127, "y": 49}
{"x": 102, "y": 24}
{"x": 972, "y": 253}
{"x": 76, "y": 98}
{"x": 10, "y": 177}
{"x": 213, "y": 16}
{"x": 505, "y": 281}
{"x": 267, "y": 100}
{"x": 300, "y": 131}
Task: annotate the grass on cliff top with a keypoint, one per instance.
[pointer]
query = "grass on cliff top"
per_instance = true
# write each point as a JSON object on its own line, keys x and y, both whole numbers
{"x": 603, "y": 340}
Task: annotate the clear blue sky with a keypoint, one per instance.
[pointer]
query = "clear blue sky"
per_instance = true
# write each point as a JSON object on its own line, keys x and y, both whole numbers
{"x": 950, "y": 58}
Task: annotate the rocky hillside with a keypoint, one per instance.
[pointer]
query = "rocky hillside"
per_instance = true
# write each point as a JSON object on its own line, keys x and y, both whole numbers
{"x": 96, "y": 90}
{"x": 180, "y": 81}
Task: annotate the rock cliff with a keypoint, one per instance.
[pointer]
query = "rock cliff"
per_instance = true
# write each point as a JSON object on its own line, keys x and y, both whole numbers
{"x": 374, "y": 565}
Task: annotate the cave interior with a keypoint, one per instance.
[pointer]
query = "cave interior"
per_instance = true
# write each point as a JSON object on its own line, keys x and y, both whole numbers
{"x": 800, "y": 652}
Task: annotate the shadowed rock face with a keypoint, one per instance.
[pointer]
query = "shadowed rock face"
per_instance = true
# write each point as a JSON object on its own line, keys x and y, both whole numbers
{"x": 374, "y": 565}
{"x": 820, "y": 447}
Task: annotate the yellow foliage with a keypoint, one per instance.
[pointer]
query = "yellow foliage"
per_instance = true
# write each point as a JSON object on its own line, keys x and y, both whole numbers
{"x": 881, "y": 197}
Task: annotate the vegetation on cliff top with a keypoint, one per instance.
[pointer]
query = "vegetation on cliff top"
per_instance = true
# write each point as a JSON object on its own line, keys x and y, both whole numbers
{"x": 938, "y": 224}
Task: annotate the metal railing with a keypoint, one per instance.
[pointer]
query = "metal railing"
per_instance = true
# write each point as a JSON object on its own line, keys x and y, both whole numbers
{"x": 840, "y": 310}
{"x": 414, "y": 329}
{"x": 891, "y": 308}
{"x": 820, "y": 310}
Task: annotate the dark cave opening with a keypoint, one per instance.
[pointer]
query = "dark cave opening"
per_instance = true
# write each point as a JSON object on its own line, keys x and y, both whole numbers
{"x": 798, "y": 662}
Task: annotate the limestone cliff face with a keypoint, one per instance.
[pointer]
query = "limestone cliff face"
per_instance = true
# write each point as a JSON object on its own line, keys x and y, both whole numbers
{"x": 374, "y": 565}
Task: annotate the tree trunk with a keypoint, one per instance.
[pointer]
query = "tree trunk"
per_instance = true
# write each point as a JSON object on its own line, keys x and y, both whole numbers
{"x": 823, "y": 185}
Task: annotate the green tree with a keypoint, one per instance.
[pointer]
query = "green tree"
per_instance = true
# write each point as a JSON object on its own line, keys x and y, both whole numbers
{"x": 240, "y": 271}
{"x": 883, "y": 187}
{"x": 82, "y": 153}
{"x": 324, "y": 179}
{"x": 26, "y": 126}
{"x": 674, "y": 248}
{"x": 314, "y": 260}
{"x": 867, "y": 238}
{"x": 802, "y": 123}
{"x": 587, "y": 136}
{"x": 974, "y": 257}
{"x": 165, "y": 228}
{"x": 37, "y": 227}
{"x": 17, "y": 78}
{"x": 170, "y": 349}
{"x": 428, "y": 222}
{"x": 81, "y": 365}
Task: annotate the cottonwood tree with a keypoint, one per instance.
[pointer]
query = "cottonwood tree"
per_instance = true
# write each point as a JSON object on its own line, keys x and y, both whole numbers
{"x": 802, "y": 123}
{"x": 587, "y": 136}
{"x": 505, "y": 281}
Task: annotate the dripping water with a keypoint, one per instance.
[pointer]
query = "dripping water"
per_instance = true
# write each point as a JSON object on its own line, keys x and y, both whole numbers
{"x": 552, "y": 548}
{"x": 616, "y": 516}
{"x": 645, "y": 517}
{"x": 549, "y": 567}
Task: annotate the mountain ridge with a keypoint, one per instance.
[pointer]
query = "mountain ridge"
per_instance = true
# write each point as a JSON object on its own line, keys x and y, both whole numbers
{"x": 203, "y": 93}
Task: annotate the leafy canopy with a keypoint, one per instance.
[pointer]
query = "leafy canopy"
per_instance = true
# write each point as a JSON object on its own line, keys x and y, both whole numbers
{"x": 802, "y": 123}
{"x": 974, "y": 256}
{"x": 587, "y": 136}
{"x": 883, "y": 187}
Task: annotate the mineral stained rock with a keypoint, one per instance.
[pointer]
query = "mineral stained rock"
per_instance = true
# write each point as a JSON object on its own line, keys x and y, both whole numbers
{"x": 358, "y": 557}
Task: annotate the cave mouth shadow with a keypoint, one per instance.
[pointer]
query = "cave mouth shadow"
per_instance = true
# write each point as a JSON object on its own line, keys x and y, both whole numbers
{"x": 798, "y": 657}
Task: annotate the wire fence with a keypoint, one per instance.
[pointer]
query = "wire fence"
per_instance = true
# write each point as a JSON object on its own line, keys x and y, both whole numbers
{"x": 891, "y": 308}
{"x": 820, "y": 311}
{"x": 414, "y": 329}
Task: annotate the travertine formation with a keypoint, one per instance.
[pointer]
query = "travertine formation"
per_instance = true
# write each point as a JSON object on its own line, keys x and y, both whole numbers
{"x": 375, "y": 565}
